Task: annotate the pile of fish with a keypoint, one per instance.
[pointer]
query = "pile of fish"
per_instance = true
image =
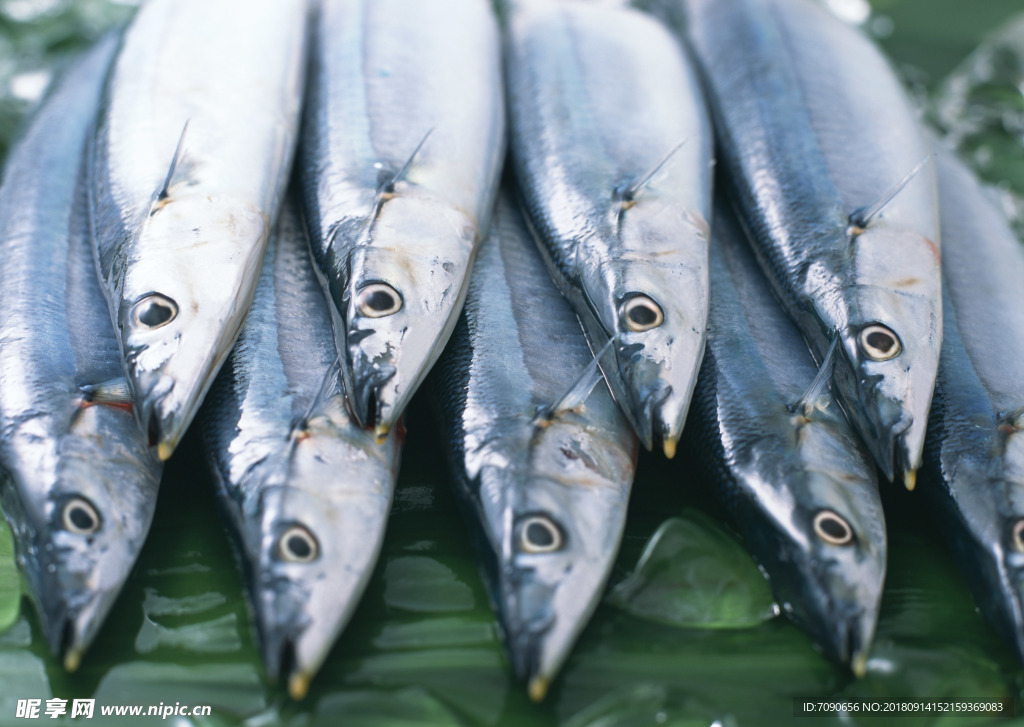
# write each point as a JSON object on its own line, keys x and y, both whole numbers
{"x": 275, "y": 215}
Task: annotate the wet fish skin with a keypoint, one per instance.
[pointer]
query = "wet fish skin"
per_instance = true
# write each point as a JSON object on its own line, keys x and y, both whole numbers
{"x": 285, "y": 454}
{"x": 518, "y": 348}
{"x": 399, "y": 84}
{"x": 814, "y": 128}
{"x": 189, "y": 164}
{"x": 598, "y": 97}
{"x": 779, "y": 468}
{"x": 974, "y": 453}
{"x": 57, "y": 447}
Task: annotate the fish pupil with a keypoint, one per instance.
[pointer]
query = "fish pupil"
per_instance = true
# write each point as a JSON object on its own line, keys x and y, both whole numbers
{"x": 834, "y": 529}
{"x": 642, "y": 315}
{"x": 378, "y": 300}
{"x": 299, "y": 547}
{"x": 882, "y": 341}
{"x": 154, "y": 315}
{"x": 539, "y": 535}
{"x": 81, "y": 519}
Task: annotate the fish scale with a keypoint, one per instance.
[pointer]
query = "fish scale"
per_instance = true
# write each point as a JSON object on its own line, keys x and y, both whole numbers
{"x": 815, "y": 127}
{"x": 285, "y": 455}
{"x": 974, "y": 458}
{"x": 188, "y": 167}
{"x": 62, "y": 454}
{"x": 602, "y": 99}
{"x": 517, "y": 350}
{"x": 778, "y": 466}
{"x": 399, "y": 85}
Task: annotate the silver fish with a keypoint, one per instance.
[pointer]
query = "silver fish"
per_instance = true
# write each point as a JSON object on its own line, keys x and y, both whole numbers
{"x": 827, "y": 165}
{"x": 80, "y": 483}
{"x": 612, "y": 146}
{"x": 789, "y": 467}
{"x": 974, "y": 454}
{"x": 189, "y": 165}
{"x": 306, "y": 491}
{"x": 544, "y": 481}
{"x": 402, "y": 145}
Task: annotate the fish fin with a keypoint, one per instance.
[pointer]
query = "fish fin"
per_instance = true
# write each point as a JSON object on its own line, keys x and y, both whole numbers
{"x": 388, "y": 188}
{"x": 161, "y": 194}
{"x": 1013, "y": 420}
{"x": 114, "y": 393}
{"x": 861, "y": 218}
{"x": 329, "y": 383}
{"x": 626, "y": 195}
{"x": 578, "y": 392}
{"x": 805, "y": 404}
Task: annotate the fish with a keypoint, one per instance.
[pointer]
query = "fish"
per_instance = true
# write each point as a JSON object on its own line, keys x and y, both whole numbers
{"x": 612, "y": 148}
{"x": 402, "y": 146}
{"x": 542, "y": 471}
{"x": 305, "y": 490}
{"x": 973, "y": 478}
{"x": 771, "y": 439}
{"x": 188, "y": 167}
{"x": 830, "y": 172}
{"x": 79, "y": 482}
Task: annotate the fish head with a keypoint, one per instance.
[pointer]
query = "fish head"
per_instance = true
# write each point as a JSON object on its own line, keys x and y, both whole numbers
{"x": 182, "y": 304}
{"x": 653, "y": 298}
{"x": 824, "y": 546}
{"x": 314, "y": 539}
{"x": 556, "y": 530}
{"x": 77, "y": 543}
{"x": 890, "y": 345}
{"x": 407, "y": 286}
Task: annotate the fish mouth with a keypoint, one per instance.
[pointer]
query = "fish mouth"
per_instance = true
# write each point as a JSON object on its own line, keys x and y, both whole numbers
{"x": 370, "y": 400}
{"x": 283, "y": 664}
{"x": 158, "y": 416}
{"x": 525, "y": 648}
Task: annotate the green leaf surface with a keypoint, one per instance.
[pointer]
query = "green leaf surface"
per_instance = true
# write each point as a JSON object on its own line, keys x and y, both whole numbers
{"x": 693, "y": 573}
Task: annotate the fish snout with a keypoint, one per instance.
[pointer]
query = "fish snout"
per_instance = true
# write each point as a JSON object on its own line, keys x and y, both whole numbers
{"x": 880, "y": 419}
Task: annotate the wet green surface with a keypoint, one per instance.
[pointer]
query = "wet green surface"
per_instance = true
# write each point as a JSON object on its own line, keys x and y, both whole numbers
{"x": 423, "y": 649}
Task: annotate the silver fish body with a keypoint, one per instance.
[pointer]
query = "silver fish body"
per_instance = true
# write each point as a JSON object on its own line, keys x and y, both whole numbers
{"x": 546, "y": 496}
{"x": 797, "y": 479}
{"x": 815, "y": 131}
{"x": 600, "y": 99}
{"x": 402, "y": 145}
{"x": 189, "y": 164}
{"x": 306, "y": 491}
{"x": 974, "y": 454}
{"x": 80, "y": 483}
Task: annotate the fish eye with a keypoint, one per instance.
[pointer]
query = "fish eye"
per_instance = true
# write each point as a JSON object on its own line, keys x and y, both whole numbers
{"x": 80, "y": 517}
{"x": 153, "y": 311}
{"x": 879, "y": 343}
{"x": 539, "y": 534}
{"x": 377, "y": 300}
{"x": 297, "y": 545}
{"x": 640, "y": 313}
{"x": 832, "y": 528}
{"x": 1018, "y": 535}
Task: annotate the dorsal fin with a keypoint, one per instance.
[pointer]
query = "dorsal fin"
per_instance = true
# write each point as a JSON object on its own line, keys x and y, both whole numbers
{"x": 331, "y": 379}
{"x": 578, "y": 391}
{"x": 389, "y": 186}
{"x": 805, "y": 404}
{"x": 628, "y": 194}
{"x": 861, "y": 218}
{"x": 1013, "y": 419}
{"x": 114, "y": 393}
{"x": 161, "y": 195}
